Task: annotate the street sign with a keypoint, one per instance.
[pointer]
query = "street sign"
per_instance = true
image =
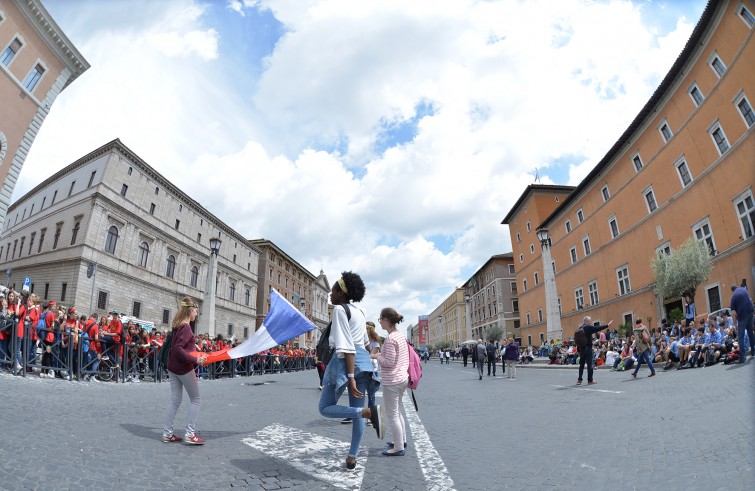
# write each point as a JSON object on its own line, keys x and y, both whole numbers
{"x": 27, "y": 283}
{"x": 90, "y": 270}
{"x": 9, "y": 272}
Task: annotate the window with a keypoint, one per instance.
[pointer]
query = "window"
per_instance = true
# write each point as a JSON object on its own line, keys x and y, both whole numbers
{"x": 573, "y": 254}
{"x": 513, "y": 287}
{"x": 511, "y": 269}
{"x": 719, "y": 138}
{"x": 637, "y": 161}
{"x": 586, "y": 245}
{"x": 33, "y": 77}
{"x": 102, "y": 300}
{"x": 560, "y": 312}
{"x": 745, "y": 211}
{"x": 31, "y": 245}
{"x": 75, "y": 231}
{"x": 21, "y": 248}
{"x": 111, "y": 240}
{"x": 54, "y": 195}
{"x": 664, "y": 249}
{"x": 524, "y": 284}
{"x": 199, "y": 238}
{"x": 714, "y": 298}
{"x": 91, "y": 178}
{"x": 747, "y": 17}
{"x": 518, "y": 238}
{"x": 579, "y": 298}
{"x": 166, "y": 316}
{"x": 532, "y": 248}
{"x": 151, "y": 208}
{"x": 47, "y": 291}
{"x": 592, "y": 288}
{"x": 683, "y": 170}
{"x": 230, "y": 330}
{"x": 717, "y": 65}
{"x": 247, "y": 297}
{"x": 194, "y": 276}
{"x": 528, "y": 226}
{"x": 515, "y": 305}
{"x": 232, "y": 292}
{"x": 650, "y": 200}
{"x": 665, "y": 131}
{"x": 143, "y": 254}
{"x": 136, "y": 309}
{"x": 703, "y": 233}
{"x": 553, "y": 266}
{"x": 10, "y": 52}
{"x": 528, "y": 318}
{"x": 567, "y": 224}
{"x": 696, "y": 95}
{"x": 157, "y": 191}
{"x": 170, "y": 268}
{"x": 745, "y": 109}
{"x": 57, "y": 236}
{"x": 540, "y": 315}
{"x": 41, "y": 240}
{"x": 130, "y": 170}
{"x": 537, "y": 278}
{"x": 622, "y": 275}
{"x": 178, "y": 223}
{"x": 614, "y": 227}
{"x": 580, "y": 216}
{"x": 605, "y": 193}
{"x": 521, "y": 259}
{"x": 124, "y": 188}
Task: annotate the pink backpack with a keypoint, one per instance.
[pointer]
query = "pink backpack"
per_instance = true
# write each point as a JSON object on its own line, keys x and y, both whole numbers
{"x": 415, "y": 367}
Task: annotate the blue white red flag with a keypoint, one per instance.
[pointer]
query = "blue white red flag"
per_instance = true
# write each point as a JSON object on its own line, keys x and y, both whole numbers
{"x": 282, "y": 323}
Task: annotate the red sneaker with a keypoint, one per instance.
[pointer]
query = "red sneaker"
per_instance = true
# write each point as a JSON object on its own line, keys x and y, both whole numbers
{"x": 171, "y": 439}
{"x": 193, "y": 440}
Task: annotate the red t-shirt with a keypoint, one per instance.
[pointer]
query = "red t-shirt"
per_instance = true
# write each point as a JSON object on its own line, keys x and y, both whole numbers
{"x": 21, "y": 319}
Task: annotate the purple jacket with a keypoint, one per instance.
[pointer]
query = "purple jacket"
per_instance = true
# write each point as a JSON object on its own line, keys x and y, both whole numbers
{"x": 512, "y": 352}
{"x": 179, "y": 359}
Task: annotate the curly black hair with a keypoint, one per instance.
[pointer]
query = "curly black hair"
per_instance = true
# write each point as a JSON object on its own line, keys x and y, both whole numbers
{"x": 355, "y": 285}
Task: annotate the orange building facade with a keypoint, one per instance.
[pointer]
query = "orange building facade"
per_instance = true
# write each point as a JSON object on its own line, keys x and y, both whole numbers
{"x": 684, "y": 168}
{"x": 37, "y": 61}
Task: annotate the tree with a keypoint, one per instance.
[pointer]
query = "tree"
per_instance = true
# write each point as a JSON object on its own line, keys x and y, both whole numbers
{"x": 494, "y": 332}
{"x": 442, "y": 345}
{"x": 683, "y": 270}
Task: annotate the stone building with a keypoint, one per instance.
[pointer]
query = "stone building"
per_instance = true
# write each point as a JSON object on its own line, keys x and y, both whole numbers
{"x": 491, "y": 298}
{"x": 145, "y": 242}
{"x": 685, "y": 167}
{"x": 37, "y": 62}
{"x": 305, "y": 291}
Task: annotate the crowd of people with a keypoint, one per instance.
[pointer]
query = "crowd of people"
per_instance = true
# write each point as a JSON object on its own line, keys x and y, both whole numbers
{"x": 55, "y": 341}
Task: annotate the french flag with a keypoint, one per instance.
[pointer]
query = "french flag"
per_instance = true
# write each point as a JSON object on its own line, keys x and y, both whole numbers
{"x": 282, "y": 323}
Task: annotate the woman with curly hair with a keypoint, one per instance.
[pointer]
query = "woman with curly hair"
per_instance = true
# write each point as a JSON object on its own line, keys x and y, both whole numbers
{"x": 350, "y": 367}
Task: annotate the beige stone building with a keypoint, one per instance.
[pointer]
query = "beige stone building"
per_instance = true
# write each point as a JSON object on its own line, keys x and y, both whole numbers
{"x": 305, "y": 291}
{"x": 447, "y": 323}
{"x": 145, "y": 241}
{"x": 491, "y": 298}
{"x": 685, "y": 167}
{"x": 37, "y": 62}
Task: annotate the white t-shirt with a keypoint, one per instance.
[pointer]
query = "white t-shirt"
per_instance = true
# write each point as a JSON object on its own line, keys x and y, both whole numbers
{"x": 346, "y": 334}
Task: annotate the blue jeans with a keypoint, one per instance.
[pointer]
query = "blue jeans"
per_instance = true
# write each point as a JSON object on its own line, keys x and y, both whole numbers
{"x": 744, "y": 325}
{"x": 645, "y": 355}
{"x": 330, "y": 409}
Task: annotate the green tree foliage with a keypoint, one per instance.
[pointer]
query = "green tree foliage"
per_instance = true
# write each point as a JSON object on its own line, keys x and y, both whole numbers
{"x": 442, "y": 345}
{"x": 494, "y": 332}
{"x": 682, "y": 271}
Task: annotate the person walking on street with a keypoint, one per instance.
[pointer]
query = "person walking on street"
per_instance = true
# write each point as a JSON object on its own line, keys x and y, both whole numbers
{"x": 511, "y": 356}
{"x": 464, "y": 354}
{"x": 490, "y": 352}
{"x": 585, "y": 354}
{"x": 394, "y": 364}
{"x": 642, "y": 344}
{"x": 182, "y": 376}
{"x": 350, "y": 366}
{"x": 742, "y": 313}
{"x": 480, "y": 350}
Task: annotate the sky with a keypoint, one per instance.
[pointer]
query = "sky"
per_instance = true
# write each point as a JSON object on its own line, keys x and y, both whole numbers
{"x": 388, "y": 138}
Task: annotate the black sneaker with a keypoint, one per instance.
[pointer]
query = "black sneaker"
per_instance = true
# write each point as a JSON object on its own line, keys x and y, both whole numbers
{"x": 346, "y": 421}
{"x": 377, "y": 417}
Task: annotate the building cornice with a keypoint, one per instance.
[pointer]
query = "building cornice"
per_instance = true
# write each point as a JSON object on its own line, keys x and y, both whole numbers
{"x": 43, "y": 23}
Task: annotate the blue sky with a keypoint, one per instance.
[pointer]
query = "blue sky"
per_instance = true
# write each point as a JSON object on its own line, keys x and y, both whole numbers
{"x": 390, "y": 138}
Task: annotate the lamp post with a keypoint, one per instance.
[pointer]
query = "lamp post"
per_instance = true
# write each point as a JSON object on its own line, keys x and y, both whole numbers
{"x": 208, "y": 318}
{"x": 553, "y": 317}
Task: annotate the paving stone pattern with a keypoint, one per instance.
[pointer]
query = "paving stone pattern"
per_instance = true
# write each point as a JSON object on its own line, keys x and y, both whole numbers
{"x": 689, "y": 429}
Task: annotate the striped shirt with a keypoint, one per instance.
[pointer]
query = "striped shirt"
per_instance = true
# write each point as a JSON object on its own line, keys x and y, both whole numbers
{"x": 394, "y": 359}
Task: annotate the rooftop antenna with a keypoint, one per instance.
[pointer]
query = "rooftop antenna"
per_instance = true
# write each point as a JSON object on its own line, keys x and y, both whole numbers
{"x": 537, "y": 175}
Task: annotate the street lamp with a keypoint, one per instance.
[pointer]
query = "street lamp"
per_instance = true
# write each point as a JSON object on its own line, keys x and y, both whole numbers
{"x": 208, "y": 319}
{"x": 553, "y": 317}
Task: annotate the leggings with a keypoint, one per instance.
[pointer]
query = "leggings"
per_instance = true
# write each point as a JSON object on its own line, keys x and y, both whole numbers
{"x": 189, "y": 382}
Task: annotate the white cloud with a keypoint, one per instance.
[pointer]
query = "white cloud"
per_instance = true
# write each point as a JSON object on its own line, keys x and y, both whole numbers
{"x": 514, "y": 86}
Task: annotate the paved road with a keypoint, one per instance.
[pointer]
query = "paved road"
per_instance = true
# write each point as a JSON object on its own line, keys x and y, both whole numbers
{"x": 690, "y": 429}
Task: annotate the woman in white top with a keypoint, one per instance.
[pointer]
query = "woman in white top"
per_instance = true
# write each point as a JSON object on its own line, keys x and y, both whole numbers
{"x": 394, "y": 364}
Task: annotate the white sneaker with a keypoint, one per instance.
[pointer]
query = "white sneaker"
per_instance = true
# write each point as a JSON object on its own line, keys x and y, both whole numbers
{"x": 135, "y": 380}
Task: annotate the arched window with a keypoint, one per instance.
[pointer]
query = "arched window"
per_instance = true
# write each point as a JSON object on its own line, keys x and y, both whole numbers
{"x": 232, "y": 293}
{"x": 247, "y": 297}
{"x": 111, "y": 240}
{"x": 143, "y": 254}
{"x": 171, "y": 269}
{"x": 194, "y": 276}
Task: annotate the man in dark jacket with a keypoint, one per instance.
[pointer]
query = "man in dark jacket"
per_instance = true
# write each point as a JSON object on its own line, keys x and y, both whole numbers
{"x": 490, "y": 352}
{"x": 742, "y": 312}
{"x": 585, "y": 354}
{"x": 465, "y": 354}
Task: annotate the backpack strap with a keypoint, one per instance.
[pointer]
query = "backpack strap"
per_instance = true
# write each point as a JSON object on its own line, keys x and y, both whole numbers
{"x": 348, "y": 311}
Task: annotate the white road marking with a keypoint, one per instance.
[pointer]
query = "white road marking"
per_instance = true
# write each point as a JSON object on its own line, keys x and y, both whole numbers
{"x": 318, "y": 456}
{"x": 432, "y": 466}
{"x": 586, "y": 388}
